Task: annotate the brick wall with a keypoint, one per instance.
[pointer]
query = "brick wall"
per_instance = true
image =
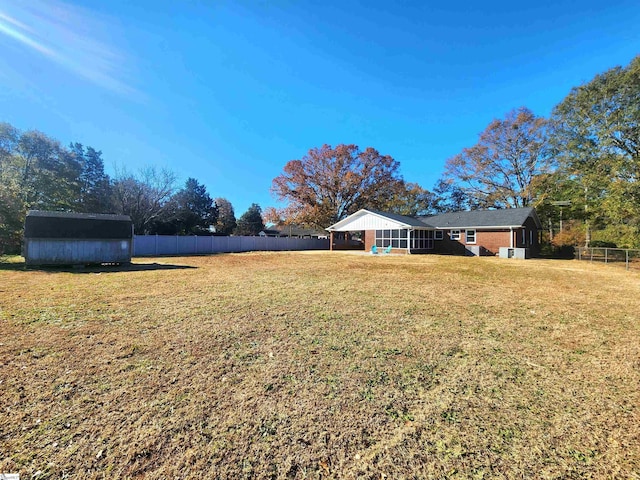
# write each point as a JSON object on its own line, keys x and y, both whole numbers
{"x": 369, "y": 239}
{"x": 493, "y": 240}
{"x": 490, "y": 240}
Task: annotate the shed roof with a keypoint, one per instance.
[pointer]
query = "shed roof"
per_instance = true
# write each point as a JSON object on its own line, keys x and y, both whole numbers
{"x": 42, "y": 224}
{"x": 508, "y": 217}
{"x": 82, "y": 216}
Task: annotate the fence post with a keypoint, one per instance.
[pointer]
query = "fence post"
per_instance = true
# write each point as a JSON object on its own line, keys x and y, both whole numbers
{"x": 627, "y": 258}
{"x": 606, "y": 256}
{"x": 591, "y": 251}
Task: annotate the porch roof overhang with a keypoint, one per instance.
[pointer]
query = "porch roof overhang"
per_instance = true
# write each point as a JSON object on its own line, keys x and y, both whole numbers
{"x": 371, "y": 220}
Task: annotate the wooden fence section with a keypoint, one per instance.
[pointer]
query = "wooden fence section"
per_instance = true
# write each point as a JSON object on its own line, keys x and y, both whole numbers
{"x": 628, "y": 257}
{"x": 151, "y": 245}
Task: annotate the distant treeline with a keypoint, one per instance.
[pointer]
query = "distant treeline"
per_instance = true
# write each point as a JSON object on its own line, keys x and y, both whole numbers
{"x": 580, "y": 168}
{"x": 38, "y": 172}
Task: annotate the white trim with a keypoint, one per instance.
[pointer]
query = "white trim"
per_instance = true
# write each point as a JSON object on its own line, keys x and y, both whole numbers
{"x": 345, "y": 221}
{"x": 466, "y": 236}
{"x": 476, "y": 227}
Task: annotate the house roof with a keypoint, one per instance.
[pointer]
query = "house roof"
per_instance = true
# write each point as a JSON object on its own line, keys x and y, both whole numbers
{"x": 412, "y": 221}
{"x": 508, "y": 217}
{"x": 373, "y": 220}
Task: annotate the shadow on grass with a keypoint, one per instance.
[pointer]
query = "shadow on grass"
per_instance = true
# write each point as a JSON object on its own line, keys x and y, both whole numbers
{"x": 132, "y": 267}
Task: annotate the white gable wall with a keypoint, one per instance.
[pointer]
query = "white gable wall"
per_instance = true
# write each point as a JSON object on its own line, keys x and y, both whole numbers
{"x": 368, "y": 221}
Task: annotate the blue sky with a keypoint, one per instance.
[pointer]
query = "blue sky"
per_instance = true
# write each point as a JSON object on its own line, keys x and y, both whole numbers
{"x": 229, "y": 91}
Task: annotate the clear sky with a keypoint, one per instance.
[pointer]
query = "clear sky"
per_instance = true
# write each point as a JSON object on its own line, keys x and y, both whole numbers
{"x": 229, "y": 91}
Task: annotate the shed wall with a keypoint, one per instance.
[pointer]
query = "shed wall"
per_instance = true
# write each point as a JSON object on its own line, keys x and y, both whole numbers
{"x": 49, "y": 251}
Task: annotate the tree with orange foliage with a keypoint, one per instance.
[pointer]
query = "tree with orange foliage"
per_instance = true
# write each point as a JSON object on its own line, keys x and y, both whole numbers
{"x": 328, "y": 184}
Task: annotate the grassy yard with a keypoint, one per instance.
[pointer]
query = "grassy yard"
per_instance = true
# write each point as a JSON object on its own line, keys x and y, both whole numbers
{"x": 321, "y": 365}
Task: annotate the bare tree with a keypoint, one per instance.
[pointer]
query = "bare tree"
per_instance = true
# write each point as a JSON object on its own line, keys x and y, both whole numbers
{"x": 144, "y": 195}
{"x": 499, "y": 170}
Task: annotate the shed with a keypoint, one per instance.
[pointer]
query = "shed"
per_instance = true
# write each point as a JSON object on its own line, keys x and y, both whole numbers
{"x": 63, "y": 238}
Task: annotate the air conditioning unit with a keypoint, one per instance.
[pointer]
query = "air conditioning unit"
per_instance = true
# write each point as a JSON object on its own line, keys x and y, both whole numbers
{"x": 508, "y": 252}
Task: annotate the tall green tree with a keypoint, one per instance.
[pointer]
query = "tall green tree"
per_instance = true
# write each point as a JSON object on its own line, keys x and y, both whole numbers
{"x": 499, "y": 170}
{"x": 48, "y": 173}
{"x": 596, "y": 139}
{"x": 94, "y": 183}
{"x": 11, "y": 218}
{"x": 226, "y": 223}
{"x": 328, "y": 183}
{"x": 195, "y": 210}
{"x": 36, "y": 172}
{"x": 11, "y": 205}
{"x": 251, "y": 221}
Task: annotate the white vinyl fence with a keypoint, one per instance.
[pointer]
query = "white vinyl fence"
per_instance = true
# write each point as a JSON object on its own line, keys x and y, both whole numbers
{"x": 151, "y": 245}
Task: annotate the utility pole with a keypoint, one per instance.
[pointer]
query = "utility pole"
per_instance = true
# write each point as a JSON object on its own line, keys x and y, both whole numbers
{"x": 587, "y": 237}
{"x": 561, "y": 203}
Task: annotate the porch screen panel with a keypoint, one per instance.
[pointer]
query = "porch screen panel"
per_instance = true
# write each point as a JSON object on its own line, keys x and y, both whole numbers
{"x": 396, "y": 238}
{"x": 422, "y": 239}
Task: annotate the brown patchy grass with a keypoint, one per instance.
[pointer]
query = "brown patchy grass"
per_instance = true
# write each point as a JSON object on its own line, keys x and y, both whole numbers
{"x": 321, "y": 365}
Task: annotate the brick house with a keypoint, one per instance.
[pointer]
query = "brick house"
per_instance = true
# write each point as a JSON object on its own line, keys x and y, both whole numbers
{"x": 477, "y": 232}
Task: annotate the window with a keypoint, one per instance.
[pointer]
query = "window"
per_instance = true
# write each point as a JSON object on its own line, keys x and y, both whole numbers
{"x": 455, "y": 234}
{"x": 396, "y": 238}
{"x": 471, "y": 236}
{"x": 438, "y": 235}
{"x": 524, "y": 236}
